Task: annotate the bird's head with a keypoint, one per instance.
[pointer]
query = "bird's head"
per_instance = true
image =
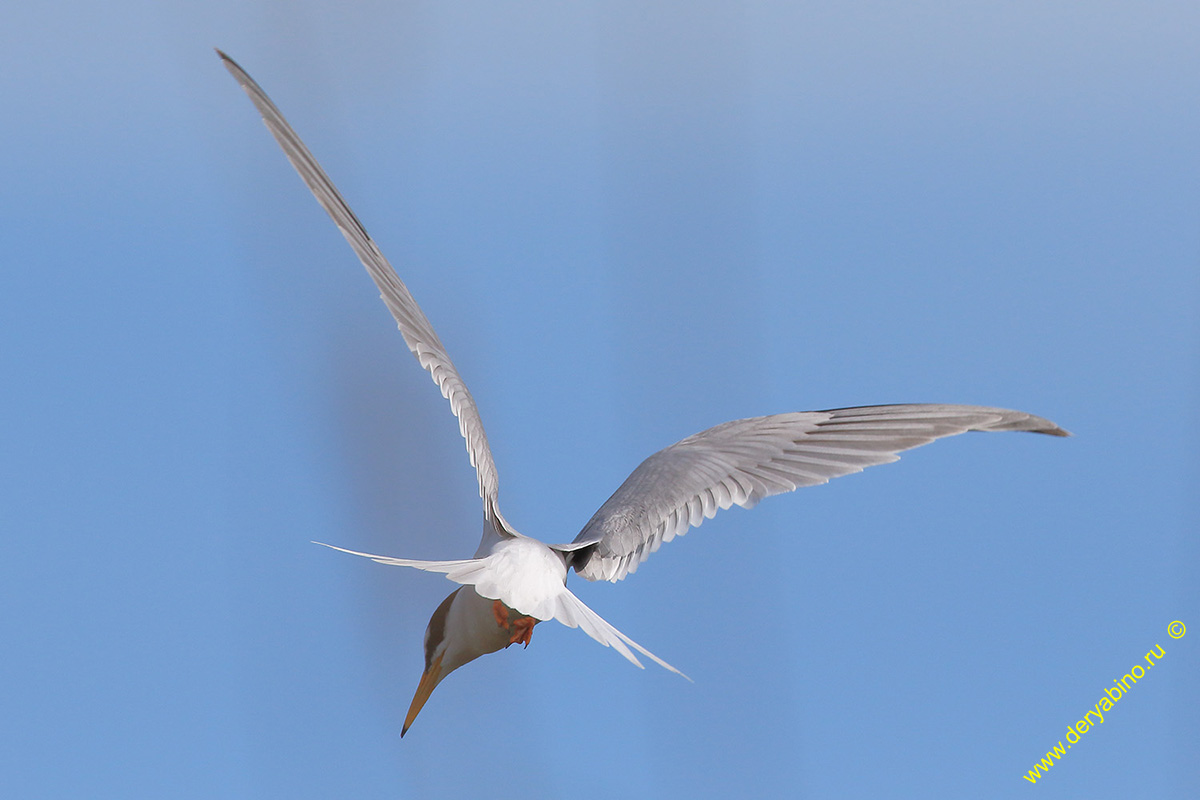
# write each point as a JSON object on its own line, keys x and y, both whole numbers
{"x": 463, "y": 628}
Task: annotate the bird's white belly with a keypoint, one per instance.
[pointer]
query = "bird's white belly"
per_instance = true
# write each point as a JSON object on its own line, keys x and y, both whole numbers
{"x": 525, "y": 575}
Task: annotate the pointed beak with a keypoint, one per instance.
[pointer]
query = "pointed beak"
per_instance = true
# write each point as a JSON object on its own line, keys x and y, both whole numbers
{"x": 429, "y": 679}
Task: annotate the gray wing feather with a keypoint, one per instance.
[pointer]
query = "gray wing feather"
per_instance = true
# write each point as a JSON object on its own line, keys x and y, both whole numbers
{"x": 741, "y": 462}
{"x": 414, "y": 326}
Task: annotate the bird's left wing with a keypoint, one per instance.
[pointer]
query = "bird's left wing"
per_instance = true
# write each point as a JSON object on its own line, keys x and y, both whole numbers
{"x": 741, "y": 462}
{"x": 414, "y": 326}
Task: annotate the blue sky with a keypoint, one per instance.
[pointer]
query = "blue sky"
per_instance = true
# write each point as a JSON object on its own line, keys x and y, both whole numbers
{"x": 629, "y": 222}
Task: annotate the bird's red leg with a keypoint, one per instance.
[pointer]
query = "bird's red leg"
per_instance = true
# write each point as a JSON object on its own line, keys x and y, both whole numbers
{"x": 522, "y": 630}
{"x": 501, "y": 613}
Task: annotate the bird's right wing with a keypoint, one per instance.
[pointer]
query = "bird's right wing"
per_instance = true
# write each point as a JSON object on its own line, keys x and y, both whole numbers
{"x": 414, "y": 326}
{"x": 741, "y": 462}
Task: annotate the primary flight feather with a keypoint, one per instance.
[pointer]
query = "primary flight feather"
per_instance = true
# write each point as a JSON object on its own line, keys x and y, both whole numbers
{"x": 513, "y": 582}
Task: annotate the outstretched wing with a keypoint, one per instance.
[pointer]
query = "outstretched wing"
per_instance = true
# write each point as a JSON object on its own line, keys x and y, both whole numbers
{"x": 741, "y": 462}
{"x": 414, "y": 326}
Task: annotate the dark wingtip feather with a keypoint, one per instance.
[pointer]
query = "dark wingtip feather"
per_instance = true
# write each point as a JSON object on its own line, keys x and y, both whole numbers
{"x": 1040, "y": 425}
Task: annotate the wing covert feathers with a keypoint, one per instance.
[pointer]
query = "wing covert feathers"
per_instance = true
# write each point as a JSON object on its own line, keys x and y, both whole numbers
{"x": 414, "y": 326}
{"x": 741, "y": 462}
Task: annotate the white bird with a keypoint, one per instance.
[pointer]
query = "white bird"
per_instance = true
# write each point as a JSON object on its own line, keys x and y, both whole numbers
{"x": 515, "y": 581}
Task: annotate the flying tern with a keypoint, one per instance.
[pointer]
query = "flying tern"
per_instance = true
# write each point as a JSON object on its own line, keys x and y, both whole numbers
{"x": 514, "y": 581}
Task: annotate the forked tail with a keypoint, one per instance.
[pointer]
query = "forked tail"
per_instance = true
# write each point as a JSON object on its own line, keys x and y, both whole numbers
{"x": 573, "y": 613}
{"x": 568, "y": 609}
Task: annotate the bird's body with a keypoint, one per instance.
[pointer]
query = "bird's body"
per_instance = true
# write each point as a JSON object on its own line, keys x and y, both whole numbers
{"x": 514, "y": 582}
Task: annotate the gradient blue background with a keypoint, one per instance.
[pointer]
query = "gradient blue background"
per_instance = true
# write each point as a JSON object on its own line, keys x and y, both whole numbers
{"x": 629, "y": 221}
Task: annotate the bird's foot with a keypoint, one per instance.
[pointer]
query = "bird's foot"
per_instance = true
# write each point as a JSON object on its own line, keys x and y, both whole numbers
{"x": 522, "y": 630}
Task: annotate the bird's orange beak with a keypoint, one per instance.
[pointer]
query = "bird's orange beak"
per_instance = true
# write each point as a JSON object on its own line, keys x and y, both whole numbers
{"x": 429, "y": 679}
